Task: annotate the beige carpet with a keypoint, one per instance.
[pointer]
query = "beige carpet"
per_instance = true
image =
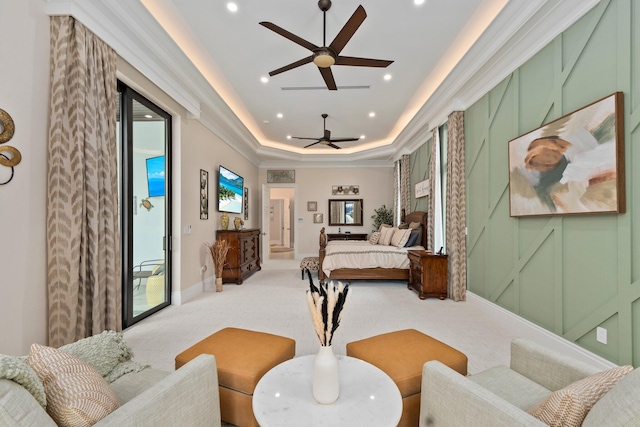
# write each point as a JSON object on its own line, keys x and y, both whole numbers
{"x": 274, "y": 300}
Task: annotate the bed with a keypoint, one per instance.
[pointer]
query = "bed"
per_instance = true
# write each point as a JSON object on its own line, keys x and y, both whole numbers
{"x": 356, "y": 252}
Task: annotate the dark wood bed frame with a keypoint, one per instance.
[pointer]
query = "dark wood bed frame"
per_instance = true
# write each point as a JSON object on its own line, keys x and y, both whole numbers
{"x": 348, "y": 274}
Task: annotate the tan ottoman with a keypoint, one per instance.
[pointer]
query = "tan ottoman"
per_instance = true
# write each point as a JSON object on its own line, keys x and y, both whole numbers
{"x": 242, "y": 357}
{"x": 401, "y": 355}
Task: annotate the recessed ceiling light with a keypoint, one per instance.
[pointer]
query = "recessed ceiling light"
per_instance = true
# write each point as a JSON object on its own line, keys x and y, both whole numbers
{"x": 279, "y": 115}
{"x": 387, "y": 77}
{"x": 418, "y": 2}
{"x": 232, "y": 7}
{"x": 288, "y": 136}
{"x": 148, "y": 116}
{"x": 362, "y": 137}
{"x": 372, "y": 114}
{"x": 264, "y": 79}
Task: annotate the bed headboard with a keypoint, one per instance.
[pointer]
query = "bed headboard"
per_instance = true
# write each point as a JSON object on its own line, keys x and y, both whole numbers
{"x": 421, "y": 217}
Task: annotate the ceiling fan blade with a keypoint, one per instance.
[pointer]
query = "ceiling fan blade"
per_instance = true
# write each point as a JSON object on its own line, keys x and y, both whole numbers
{"x": 344, "y": 139}
{"x": 348, "y": 30}
{"x": 310, "y": 139}
{"x": 284, "y": 33}
{"x": 292, "y": 66}
{"x": 307, "y": 146}
{"x": 362, "y": 62}
{"x": 333, "y": 145}
{"x": 327, "y": 75}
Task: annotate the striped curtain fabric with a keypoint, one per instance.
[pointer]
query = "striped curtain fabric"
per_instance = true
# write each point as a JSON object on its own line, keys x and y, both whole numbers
{"x": 83, "y": 238}
{"x": 432, "y": 190}
{"x": 456, "y": 208}
{"x": 396, "y": 191}
{"x": 405, "y": 183}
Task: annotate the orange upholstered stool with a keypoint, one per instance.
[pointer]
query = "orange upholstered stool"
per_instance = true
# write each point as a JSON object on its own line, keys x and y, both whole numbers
{"x": 242, "y": 357}
{"x": 401, "y": 355}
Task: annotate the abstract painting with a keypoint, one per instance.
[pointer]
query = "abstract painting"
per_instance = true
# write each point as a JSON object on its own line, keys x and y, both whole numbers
{"x": 572, "y": 165}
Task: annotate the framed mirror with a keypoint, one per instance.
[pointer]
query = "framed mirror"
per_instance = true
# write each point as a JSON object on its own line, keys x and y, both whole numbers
{"x": 345, "y": 212}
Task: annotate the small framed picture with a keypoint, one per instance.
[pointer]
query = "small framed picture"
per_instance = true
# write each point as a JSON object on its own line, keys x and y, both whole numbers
{"x": 204, "y": 194}
{"x": 312, "y": 206}
{"x": 317, "y": 218}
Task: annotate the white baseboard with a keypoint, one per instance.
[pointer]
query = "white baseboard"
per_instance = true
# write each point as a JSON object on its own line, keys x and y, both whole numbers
{"x": 184, "y": 295}
{"x": 527, "y": 329}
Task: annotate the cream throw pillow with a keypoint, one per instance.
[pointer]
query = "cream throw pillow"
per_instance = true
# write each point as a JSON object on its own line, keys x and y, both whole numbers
{"x": 375, "y": 236}
{"x": 385, "y": 235}
{"x": 77, "y": 395}
{"x": 570, "y": 405}
{"x": 400, "y": 237}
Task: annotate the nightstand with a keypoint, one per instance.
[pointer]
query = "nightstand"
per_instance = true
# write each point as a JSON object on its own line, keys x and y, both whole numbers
{"x": 428, "y": 274}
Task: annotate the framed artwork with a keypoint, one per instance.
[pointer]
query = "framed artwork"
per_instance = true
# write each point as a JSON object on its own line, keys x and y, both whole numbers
{"x": 312, "y": 206}
{"x": 204, "y": 194}
{"x": 281, "y": 176}
{"x": 572, "y": 165}
{"x": 317, "y": 218}
{"x": 422, "y": 189}
{"x": 340, "y": 190}
{"x": 246, "y": 203}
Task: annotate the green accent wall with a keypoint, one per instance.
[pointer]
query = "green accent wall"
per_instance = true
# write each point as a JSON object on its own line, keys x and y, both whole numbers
{"x": 568, "y": 274}
{"x": 419, "y": 172}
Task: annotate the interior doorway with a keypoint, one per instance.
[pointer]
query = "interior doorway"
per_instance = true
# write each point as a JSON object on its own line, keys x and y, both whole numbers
{"x": 279, "y": 236}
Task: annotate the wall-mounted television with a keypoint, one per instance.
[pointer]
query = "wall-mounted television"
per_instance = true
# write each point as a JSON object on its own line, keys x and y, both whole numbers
{"x": 155, "y": 176}
{"x": 230, "y": 189}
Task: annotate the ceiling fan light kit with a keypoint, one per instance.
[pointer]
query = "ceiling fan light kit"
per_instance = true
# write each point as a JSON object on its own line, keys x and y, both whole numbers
{"x": 325, "y": 56}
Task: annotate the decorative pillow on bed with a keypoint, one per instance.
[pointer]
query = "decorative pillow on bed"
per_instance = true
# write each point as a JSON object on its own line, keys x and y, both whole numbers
{"x": 414, "y": 238}
{"x": 375, "y": 236}
{"x": 385, "y": 235}
{"x": 414, "y": 225}
{"x": 400, "y": 237}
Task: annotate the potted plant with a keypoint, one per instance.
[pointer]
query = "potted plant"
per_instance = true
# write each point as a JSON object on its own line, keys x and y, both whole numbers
{"x": 382, "y": 215}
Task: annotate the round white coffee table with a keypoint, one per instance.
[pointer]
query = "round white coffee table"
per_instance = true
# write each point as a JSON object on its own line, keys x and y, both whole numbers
{"x": 368, "y": 396}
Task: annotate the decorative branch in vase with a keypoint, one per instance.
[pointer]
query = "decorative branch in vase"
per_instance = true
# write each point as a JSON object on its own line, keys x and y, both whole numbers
{"x": 325, "y": 305}
{"x": 218, "y": 250}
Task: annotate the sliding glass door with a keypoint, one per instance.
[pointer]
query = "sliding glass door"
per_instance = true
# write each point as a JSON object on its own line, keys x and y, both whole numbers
{"x": 145, "y": 142}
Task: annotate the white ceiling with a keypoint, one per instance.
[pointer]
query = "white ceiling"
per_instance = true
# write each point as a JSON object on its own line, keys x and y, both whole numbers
{"x": 446, "y": 53}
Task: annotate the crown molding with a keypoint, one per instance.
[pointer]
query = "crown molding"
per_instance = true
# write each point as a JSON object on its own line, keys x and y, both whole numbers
{"x": 136, "y": 36}
{"x": 519, "y": 31}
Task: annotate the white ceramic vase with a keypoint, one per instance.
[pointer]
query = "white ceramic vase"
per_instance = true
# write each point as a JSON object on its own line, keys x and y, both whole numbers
{"x": 325, "y": 376}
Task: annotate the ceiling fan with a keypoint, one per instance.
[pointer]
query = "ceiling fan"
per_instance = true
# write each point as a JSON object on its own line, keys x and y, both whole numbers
{"x": 326, "y": 138}
{"x": 325, "y": 56}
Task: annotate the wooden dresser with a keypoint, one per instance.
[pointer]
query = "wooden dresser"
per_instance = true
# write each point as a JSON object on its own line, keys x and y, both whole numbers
{"x": 428, "y": 274}
{"x": 346, "y": 236}
{"x": 243, "y": 258}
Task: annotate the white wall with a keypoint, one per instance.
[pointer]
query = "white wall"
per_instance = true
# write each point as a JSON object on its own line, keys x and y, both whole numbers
{"x": 24, "y": 94}
{"x": 314, "y": 184}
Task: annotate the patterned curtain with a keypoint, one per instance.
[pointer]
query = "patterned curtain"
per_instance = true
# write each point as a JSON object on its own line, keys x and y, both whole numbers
{"x": 396, "y": 191}
{"x": 432, "y": 189}
{"x": 405, "y": 183}
{"x": 83, "y": 239}
{"x": 456, "y": 239}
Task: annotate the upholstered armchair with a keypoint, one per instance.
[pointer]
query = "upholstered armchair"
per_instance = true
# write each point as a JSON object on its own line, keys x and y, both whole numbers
{"x": 501, "y": 396}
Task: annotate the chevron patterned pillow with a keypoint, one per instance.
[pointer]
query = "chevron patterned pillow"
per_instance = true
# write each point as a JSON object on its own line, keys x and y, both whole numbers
{"x": 77, "y": 395}
{"x": 570, "y": 405}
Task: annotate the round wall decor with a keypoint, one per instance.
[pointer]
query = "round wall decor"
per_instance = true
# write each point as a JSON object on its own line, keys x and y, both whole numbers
{"x": 8, "y": 128}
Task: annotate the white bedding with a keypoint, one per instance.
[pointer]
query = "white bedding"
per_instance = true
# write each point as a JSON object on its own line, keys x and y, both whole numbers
{"x": 362, "y": 254}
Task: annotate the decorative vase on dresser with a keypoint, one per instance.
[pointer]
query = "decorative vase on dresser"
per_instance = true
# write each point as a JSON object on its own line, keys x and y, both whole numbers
{"x": 224, "y": 221}
{"x": 243, "y": 258}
